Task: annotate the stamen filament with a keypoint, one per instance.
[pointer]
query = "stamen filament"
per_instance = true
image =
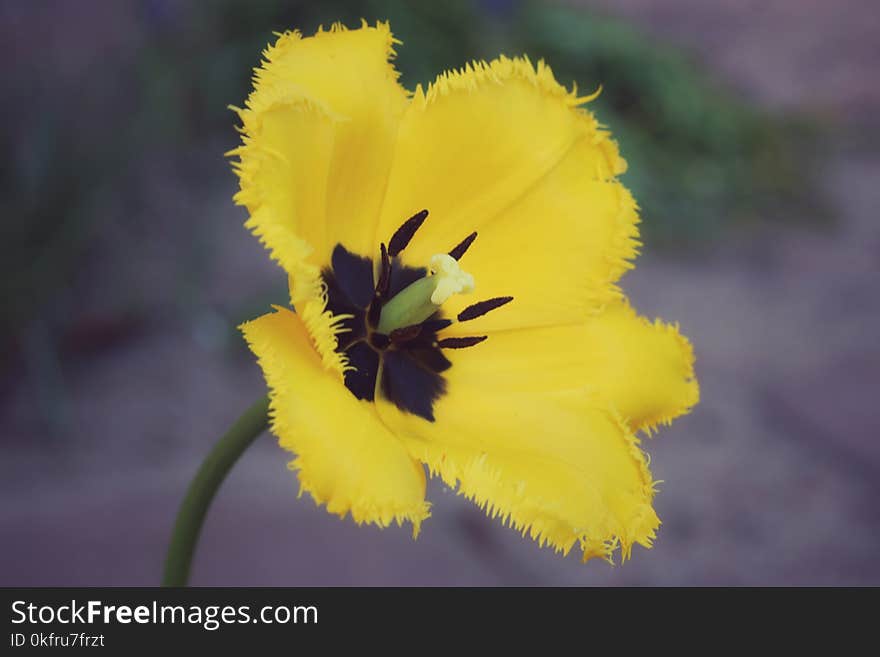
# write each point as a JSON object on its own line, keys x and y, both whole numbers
{"x": 406, "y": 333}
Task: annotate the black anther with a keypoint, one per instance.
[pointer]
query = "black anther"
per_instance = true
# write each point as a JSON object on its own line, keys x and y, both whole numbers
{"x": 460, "y": 343}
{"x": 463, "y": 246}
{"x": 405, "y": 233}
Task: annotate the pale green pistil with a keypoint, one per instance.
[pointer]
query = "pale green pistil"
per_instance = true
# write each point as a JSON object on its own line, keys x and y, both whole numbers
{"x": 418, "y": 301}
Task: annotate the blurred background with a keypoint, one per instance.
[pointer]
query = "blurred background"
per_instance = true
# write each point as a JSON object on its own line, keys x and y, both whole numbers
{"x": 751, "y": 132}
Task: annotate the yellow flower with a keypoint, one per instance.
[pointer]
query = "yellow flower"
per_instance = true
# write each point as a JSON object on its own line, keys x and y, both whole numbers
{"x": 511, "y": 365}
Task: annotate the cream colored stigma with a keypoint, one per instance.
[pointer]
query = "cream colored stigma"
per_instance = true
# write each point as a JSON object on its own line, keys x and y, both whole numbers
{"x": 418, "y": 301}
{"x": 449, "y": 278}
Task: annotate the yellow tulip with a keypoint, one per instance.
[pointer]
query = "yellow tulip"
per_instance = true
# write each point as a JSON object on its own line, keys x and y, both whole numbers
{"x": 453, "y": 254}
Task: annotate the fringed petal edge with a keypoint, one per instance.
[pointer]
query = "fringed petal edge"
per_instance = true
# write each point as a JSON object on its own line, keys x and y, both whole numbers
{"x": 486, "y": 485}
{"x": 651, "y": 424}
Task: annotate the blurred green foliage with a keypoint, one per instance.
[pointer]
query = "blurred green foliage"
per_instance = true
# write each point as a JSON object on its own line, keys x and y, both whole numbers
{"x": 700, "y": 159}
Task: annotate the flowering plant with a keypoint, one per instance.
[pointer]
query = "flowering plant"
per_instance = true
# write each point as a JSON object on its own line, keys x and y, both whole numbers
{"x": 453, "y": 256}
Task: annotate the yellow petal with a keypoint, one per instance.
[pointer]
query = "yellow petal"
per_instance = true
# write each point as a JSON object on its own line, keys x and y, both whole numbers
{"x": 646, "y": 369}
{"x": 319, "y": 131}
{"x": 643, "y": 369}
{"x": 557, "y": 464}
{"x": 283, "y": 171}
{"x": 504, "y": 150}
{"x": 345, "y": 458}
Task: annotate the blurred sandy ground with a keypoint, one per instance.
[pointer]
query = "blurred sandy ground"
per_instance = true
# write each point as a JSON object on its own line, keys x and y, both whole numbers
{"x": 774, "y": 479}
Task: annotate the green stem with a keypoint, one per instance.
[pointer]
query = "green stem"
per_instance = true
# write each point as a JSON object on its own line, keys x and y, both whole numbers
{"x": 201, "y": 491}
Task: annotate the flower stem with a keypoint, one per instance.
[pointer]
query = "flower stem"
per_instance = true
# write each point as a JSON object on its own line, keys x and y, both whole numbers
{"x": 204, "y": 486}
